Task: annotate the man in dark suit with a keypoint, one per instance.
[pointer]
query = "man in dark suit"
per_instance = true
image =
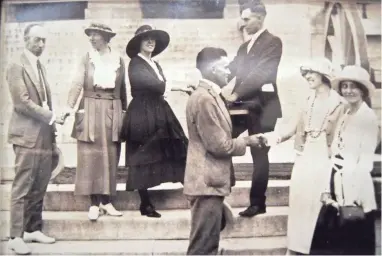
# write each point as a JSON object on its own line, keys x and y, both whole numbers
{"x": 209, "y": 170}
{"x": 32, "y": 133}
{"x": 255, "y": 68}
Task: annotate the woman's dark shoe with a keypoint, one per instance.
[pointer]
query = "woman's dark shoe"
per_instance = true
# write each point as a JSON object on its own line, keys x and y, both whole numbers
{"x": 149, "y": 211}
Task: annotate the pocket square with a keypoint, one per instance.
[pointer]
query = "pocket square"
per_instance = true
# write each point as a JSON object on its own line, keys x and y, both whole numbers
{"x": 267, "y": 88}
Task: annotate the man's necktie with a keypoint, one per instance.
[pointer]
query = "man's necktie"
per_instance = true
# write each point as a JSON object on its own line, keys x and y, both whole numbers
{"x": 42, "y": 85}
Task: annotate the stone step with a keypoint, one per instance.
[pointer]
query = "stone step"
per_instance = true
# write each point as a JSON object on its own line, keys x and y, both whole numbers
{"x": 174, "y": 224}
{"x": 228, "y": 246}
{"x": 164, "y": 196}
{"x": 60, "y": 197}
{"x": 243, "y": 171}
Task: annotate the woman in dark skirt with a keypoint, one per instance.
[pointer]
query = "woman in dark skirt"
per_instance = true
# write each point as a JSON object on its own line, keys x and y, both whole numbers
{"x": 353, "y": 147}
{"x": 156, "y": 146}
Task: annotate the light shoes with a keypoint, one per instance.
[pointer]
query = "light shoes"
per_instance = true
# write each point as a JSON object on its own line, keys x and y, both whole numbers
{"x": 109, "y": 210}
{"x": 93, "y": 213}
{"x": 38, "y": 237}
{"x": 18, "y": 246}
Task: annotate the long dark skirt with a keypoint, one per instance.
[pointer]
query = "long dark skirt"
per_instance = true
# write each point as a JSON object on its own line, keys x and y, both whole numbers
{"x": 156, "y": 146}
{"x": 357, "y": 238}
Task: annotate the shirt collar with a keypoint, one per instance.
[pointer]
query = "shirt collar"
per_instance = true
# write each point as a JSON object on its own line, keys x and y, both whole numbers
{"x": 257, "y": 34}
{"x": 31, "y": 57}
{"x": 145, "y": 58}
{"x": 214, "y": 86}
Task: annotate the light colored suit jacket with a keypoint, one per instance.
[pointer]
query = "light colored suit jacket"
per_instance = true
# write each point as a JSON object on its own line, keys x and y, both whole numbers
{"x": 209, "y": 166}
{"x": 28, "y": 115}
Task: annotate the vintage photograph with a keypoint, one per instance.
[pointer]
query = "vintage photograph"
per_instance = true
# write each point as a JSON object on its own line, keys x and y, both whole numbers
{"x": 190, "y": 127}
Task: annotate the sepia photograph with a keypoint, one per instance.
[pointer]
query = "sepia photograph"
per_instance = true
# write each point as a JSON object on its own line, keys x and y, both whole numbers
{"x": 190, "y": 127}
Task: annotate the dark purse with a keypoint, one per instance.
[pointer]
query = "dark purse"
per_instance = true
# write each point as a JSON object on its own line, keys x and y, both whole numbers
{"x": 349, "y": 214}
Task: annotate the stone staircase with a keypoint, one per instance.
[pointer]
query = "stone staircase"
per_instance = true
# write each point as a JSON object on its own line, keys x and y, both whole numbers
{"x": 65, "y": 215}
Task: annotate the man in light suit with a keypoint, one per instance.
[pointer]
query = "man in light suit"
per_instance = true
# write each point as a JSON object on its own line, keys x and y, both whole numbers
{"x": 32, "y": 133}
{"x": 255, "y": 68}
{"x": 209, "y": 171}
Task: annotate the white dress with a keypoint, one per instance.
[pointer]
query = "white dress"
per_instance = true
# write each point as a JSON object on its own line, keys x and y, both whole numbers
{"x": 310, "y": 176}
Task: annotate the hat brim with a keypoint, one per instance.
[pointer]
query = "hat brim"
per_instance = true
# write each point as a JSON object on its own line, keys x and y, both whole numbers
{"x": 110, "y": 34}
{"x": 368, "y": 85}
{"x": 162, "y": 39}
{"x": 57, "y": 163}
{"x": 306, "y": 68}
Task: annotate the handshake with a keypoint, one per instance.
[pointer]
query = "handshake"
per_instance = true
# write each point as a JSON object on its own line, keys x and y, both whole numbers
{"x": 262, "y": 140}
{"x": 60, "y": 119}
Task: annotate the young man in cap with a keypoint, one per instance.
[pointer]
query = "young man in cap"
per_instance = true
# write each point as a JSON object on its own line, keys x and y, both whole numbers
{"x": 32, "y": 133}
{"x": 209, "y": 171}
{"x": 255, "y": 68}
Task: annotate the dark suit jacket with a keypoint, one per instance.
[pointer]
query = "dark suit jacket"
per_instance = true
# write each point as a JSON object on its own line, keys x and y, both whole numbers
{"x": 28, "y": 115}
{"x": 252, "y": 71}
{"x": 209, "y": 169}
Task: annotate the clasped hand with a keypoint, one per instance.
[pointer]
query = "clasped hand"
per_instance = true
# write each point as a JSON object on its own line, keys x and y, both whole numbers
{"x": 60, "y": 119}
{"x": 256, "y": 140}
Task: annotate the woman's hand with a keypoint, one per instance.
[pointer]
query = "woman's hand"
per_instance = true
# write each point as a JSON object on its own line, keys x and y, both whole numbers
{"x": 331, "y": 202}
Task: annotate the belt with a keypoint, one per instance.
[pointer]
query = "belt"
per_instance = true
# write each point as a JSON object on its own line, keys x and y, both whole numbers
{"x": 101, "y": 95}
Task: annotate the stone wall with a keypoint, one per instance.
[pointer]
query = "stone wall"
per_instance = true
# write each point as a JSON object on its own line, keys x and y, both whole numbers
{"x": 67, "y": 42}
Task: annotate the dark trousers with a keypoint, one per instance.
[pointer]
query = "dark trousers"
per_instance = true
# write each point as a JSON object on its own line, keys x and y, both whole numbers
{"x": 32, "y": 174}
{"x": 260, "y": 175}
{"x": 206, "y": 221}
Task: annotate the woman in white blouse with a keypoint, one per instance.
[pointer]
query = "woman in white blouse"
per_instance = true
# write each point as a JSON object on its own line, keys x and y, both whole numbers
{"x": 353, "y": 147}
{"x": 98, "y": 121}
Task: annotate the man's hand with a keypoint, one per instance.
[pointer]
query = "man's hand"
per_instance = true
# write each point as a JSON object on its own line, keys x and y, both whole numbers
{"x": 189, "y": 90}
{"x": 253, "y": 141}
{"x": 231, "y": 98}
{"x": 60, "y": 119}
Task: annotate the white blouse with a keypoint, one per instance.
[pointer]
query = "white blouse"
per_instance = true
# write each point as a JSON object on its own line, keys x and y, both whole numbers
{"x": 356, "y": 138}
{"x": 105, "y": 68}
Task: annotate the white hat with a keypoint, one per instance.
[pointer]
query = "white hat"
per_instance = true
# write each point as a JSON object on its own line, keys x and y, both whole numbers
{"x": 356, "y": 74}
{"x": 319, "y": 65}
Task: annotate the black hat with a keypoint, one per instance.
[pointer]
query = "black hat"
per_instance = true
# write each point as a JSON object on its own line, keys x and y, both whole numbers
{"x": 104, "y": 29}
{"x": 162, "y": 39}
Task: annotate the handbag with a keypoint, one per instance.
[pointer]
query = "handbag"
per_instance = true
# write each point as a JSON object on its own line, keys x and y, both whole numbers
{"x": 346, "y": 213}
{"x": 349, "y": 214}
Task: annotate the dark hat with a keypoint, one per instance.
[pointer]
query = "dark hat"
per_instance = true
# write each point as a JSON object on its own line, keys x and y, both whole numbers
{"x": 162, "y": 39}
{"x": 98, "y": 27}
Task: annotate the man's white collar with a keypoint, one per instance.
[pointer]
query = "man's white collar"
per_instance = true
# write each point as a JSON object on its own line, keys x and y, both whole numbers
{"x": 214, "y": 86}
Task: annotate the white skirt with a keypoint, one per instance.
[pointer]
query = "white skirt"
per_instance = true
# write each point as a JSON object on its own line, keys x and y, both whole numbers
{"x": 310, "y": 177}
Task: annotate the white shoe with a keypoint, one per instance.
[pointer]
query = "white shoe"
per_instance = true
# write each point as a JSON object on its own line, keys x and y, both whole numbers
{"x": 109, "y": 209}
{"x": 19, "y": 246}
{"x": 38, "y": 237}
{"x": 93, "y": 213}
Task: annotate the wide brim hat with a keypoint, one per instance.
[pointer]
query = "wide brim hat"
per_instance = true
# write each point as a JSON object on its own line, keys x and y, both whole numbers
{"x": 356, "y": 74}
{"x": 57, "y": 163}
{"x": 319, "y": 65}
{"x": 162, "y": 39}
{"x": 99, "y": 27}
